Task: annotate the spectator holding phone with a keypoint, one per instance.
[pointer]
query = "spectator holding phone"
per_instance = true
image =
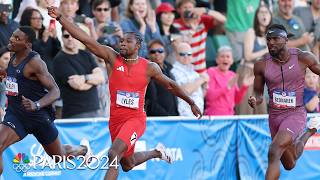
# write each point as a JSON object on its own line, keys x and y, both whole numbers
{"x": 46, "y": 42}
{"x": 109, "y": 32}
{"x": 194, "y": 23}
{"x": 69, "y": 9}
{"x": 7, "y": 26}
{"x": 141, "y": 18}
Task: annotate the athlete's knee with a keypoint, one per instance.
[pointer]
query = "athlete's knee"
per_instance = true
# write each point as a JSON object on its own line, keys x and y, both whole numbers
{"x": 275, "y": 151}
{"x": 112, "y": 154}
{"x": 127, "y": 166}
{"x": 289, "y": 165}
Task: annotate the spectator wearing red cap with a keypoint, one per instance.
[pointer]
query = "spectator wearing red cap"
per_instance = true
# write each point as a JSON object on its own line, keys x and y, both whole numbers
{"x": 165, "y": 18}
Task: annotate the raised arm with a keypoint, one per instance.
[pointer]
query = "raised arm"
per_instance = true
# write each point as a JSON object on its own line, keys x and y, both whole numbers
{"x": 155, "y": 72}
{"x": 105, "y": 52}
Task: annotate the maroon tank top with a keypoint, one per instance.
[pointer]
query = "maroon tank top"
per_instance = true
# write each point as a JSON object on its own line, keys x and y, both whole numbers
{"x": 285, "y": 82}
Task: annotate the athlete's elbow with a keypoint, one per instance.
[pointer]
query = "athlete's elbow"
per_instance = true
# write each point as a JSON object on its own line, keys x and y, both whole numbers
{"x": 56, "y": 94}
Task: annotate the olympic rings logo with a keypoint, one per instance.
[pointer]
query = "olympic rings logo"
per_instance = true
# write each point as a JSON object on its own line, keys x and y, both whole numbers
{"x": 21, "y": 167}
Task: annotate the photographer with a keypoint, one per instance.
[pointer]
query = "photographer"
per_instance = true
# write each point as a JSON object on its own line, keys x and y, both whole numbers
{"x": 7, "y": 26}
{"x": 69, "y": 9}
{"x": 194, "y": 24}
{"x": 108, "y": 31}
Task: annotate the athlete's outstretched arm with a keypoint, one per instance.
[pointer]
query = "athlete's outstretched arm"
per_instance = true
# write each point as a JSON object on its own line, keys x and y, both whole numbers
{"x": 105, "y": 52}
{"x": 155, "y": 72}
{"x": 40, "y": 71}
{"x": 311, "y": 61}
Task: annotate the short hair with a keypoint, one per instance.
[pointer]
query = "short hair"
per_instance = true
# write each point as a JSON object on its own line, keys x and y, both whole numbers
{"x": 96, "y": 3}
{"x": 29, "y": 32}
{"x": 277, "y": 26}
{"x": 155, "y": 41}
{"x": 179, "y": 3}
{"x": 224, "y": 49}
{"x": 137, "y": 36}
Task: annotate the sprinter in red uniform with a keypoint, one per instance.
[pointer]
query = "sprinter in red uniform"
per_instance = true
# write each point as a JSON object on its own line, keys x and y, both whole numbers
{"x": 129, "y": 76}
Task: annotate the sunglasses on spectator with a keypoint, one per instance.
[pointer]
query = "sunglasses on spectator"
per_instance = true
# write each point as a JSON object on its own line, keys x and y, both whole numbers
{"x": 37, "y": 18}
{"x": 184, "y": 54}
{"x": 66, "y": 36}
{"x": 102, "y": 9}
{"x": 153, "y": 51}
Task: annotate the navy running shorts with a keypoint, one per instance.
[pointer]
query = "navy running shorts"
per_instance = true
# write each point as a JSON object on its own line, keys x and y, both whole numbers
{"x": 41, "y": 127}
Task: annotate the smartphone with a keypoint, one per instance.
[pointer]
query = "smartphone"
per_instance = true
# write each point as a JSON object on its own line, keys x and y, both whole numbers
{"x": 5, "y": 8}
{"x": 109, "y": 29}
{"x": 52, "y": 24}
{"x": 187, "y": 14}
{"x": 79, "y": 19}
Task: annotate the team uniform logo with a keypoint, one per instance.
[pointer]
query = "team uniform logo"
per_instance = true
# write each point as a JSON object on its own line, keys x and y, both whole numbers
{"x": 133, "y": 138}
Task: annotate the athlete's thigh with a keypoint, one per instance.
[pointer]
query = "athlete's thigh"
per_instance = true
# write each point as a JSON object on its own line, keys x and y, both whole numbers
{"x": 282, "y": 140}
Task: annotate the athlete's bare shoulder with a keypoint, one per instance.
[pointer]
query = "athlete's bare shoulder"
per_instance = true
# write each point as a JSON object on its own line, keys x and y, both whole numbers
{"x": 36, "y": 65}
{"x": 153, "y": 69}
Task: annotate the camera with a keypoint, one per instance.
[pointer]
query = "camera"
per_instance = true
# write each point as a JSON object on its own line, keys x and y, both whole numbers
{"x": 109, "y": 29}
{"x": 79, "y": 19}
{"x": 5, "y": 8}
{"x": 189, "y": 14}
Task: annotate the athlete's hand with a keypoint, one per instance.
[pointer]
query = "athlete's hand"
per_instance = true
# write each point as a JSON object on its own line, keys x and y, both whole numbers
{"x": 53, "y": 12}
{"x": 196, "y": 111}
{"x": 252, "y": 101}
{"x": 28, "y": 104}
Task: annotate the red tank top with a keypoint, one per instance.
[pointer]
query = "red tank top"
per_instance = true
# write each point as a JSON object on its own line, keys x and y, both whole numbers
{"x": 127, "y": 84}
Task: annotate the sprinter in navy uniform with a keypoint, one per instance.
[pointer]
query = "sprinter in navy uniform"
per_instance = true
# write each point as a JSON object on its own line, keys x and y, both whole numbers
{"x": 31, "y": 90}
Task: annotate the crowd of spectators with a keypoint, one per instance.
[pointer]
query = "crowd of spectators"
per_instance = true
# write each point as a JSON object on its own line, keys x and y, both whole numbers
{"x": 176, "y": 35}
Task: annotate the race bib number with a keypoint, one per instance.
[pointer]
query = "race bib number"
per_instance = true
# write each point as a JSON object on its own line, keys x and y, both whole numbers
{"x": 284, "y": 99}
{"x": 11, "y": 86}
{"x": 128, "y": 99}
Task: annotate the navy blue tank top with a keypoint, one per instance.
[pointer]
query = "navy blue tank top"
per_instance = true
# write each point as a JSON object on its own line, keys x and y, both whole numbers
{"x": 31, "y": 89}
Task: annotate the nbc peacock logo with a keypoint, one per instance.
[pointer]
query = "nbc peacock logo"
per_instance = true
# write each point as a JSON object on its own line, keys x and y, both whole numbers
{"x": 21, "y": 162}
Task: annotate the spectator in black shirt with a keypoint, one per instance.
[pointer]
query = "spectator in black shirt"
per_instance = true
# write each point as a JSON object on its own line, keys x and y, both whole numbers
{"x": 77, "y": 75}
{"x": 159, "y": 101}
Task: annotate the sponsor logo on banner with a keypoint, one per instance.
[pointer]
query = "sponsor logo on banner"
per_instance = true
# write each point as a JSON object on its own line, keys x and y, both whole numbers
{"x": 313, "y": 143}
{"x": 41, "y": 164}
{"x": 21, "y": 162}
